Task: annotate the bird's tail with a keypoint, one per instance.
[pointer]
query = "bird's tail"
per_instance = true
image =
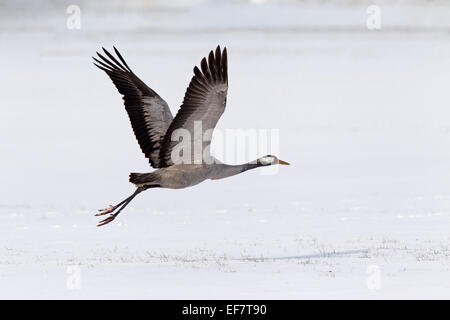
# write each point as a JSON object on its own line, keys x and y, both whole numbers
{"x": 140, "y": 179}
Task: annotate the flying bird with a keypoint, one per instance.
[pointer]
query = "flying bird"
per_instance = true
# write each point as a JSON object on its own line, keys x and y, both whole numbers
{"x": 155, "y": 127}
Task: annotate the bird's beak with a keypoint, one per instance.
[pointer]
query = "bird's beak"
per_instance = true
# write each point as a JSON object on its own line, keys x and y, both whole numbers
{"x": 283, "y": 162}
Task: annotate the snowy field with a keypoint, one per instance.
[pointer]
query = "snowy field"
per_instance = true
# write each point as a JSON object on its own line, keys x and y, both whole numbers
{"x": 364, "y": 119}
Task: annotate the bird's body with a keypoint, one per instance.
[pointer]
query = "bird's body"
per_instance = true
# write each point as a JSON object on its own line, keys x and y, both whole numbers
{"x": 187, "y": 175}
{"x": 174, "y": 177}
{"x": 177, "y": 147}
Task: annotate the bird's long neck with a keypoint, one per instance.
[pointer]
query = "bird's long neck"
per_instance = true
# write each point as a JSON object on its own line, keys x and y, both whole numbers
{"x": 226, "y": 170}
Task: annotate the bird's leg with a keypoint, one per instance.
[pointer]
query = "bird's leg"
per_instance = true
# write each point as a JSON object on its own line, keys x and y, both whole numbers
{"x": 110, "y": 208}
{"x": 113, "y": 216}
{"x": 122, "y": 205}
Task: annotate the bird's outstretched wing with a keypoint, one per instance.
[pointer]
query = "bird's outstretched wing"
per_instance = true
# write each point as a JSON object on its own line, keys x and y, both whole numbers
{"x": 149, "y": 114}
{"x": 203, "y": 104}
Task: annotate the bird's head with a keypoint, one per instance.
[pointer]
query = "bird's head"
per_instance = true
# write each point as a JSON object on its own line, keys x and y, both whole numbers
{"x": 269, "y": 160}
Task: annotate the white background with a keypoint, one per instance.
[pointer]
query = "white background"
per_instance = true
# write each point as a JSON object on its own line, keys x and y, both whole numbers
{"x": 363, "y": 116}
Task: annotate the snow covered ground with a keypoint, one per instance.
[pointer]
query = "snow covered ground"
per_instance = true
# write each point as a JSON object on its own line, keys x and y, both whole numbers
{"x": 363, "y": 116}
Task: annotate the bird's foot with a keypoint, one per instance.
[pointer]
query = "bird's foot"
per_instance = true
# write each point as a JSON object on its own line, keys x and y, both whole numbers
{"x": 107, "y": 220}
{"x": 102, "y": 212}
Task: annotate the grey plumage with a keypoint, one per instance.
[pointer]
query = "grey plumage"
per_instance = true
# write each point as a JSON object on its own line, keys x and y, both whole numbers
{"x": 204, "y": 101}
{"x": 149, "y": 114}
{"x": 154, "y": 127}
